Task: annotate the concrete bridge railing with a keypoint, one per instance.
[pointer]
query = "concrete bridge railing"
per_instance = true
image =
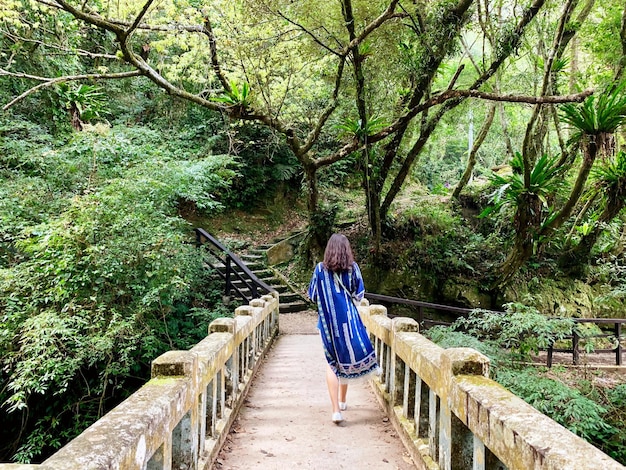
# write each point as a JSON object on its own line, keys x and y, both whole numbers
{"x": 451, "y": 416}
{"x": 180, "y": 418}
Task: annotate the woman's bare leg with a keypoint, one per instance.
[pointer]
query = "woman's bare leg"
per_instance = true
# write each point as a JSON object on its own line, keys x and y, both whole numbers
{"x": 343, "y": 390}
{"x": 333, "y": 388}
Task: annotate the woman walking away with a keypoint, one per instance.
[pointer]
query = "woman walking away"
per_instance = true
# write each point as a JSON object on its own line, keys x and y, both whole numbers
{"x": 336, "y": 286}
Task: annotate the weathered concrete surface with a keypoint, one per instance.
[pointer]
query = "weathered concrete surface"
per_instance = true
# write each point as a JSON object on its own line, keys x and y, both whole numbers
{"x": 285, "y": 422}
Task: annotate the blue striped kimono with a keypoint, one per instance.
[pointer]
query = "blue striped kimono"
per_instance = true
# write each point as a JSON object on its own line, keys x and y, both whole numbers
{"x": 347, "y": 346}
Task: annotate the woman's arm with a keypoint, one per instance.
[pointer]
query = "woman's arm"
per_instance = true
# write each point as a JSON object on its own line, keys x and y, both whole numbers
{"x": 357, "y": 282}
{"x": 312, "y": 292}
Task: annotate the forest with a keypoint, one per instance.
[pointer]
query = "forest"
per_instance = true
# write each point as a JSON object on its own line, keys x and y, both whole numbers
{"x": 474, "y": 151}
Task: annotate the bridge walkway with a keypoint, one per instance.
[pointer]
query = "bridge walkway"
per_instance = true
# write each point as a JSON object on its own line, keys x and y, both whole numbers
{"x": 286, "y": 422}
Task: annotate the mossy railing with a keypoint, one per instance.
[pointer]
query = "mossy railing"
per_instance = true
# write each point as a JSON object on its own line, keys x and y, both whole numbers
{"x": 451, "y": 416}
{"x": 448, "y": 413}
{"x": 181, "y": 417}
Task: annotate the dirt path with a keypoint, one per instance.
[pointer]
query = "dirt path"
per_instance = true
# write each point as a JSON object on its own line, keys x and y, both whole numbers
{"x": 285, "y": 422}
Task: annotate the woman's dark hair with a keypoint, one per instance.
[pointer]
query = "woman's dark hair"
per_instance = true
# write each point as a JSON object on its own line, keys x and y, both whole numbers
{"x": 338, "y": 255}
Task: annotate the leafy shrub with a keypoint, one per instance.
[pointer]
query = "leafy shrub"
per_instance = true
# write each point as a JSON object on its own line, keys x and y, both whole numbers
{"x": 443, "y": 244}
{"x": 563, "y": 404}
{"x": 102, "y": 278}
{"x": 447, "y": 337}
{"x": 593, "y": 418}
{"x": 615, "y": 446}
{"x": 262, "y": 160}
{"x": 520, "y": 329}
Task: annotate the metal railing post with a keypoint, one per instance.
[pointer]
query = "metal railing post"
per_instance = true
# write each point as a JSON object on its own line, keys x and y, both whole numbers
{"x": 227, "y": 274}
{"x": 618, "y": 349}
{"x": 575, "y": 352}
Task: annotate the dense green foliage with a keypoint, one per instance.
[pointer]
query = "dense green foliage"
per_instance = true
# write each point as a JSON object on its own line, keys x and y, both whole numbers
{"x": 98, "y": 275}
{"x": 519, "y": 329}
{"x": 245, "y": 103}
{"x": 592, "y": 412}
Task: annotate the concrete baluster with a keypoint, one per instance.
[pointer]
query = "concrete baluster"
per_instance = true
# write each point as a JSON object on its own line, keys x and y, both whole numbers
{"x": 479, "y": 459}
{"x": 211, "y": 417}
{"x": 218, "y": 388}
{"x": 421, "y": 417}
{"x": 383, "y": 351}
{"x": 456, "y": 442}
{"x": 399, "y": 378}
{"x": 202, "y": 421}
{"x": 184, "y": 439}
{"x": 433, "y": 425}
{"x": 408, "y": 402}
{"x": 242, "y": 351}
{"x": 185, "y": 443}
{"x": 221, "y": 389}
{"x": 255, "y": 339}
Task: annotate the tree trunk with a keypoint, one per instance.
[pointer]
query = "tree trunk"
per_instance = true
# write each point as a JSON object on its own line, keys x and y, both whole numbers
{"x": 77, "y": 124}
{"x": 375, "y": 219}
{"x": 579, "y": 257}
{"x": 590, "y": 152}
{"x": 527, "y": 219}
{"x": 318, "y": 235}
{"x": 471, "y": 161}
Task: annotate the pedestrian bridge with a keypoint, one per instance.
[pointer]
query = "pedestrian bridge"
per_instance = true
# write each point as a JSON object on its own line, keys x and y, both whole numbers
{"x": 445, "y": 410}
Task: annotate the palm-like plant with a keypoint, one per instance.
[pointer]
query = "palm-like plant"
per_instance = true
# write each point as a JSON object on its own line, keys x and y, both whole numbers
{"x": 597, "y": 118}
{"x": 596, "y": 115}
{"x": 610, "y": 179}
{"x": 511, "y": 188}
{"x": 236, "y": 97}
{"x": 354, "y": 127}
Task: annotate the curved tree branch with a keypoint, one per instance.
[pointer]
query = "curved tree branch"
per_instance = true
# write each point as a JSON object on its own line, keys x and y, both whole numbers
{"x": 90, "y": 18}
{"x": 138, "y": 19}
{"x": 81, "y": 52}
{"x": 449, "y": 95}
{"x": 309, "y": 33}
{"x": 207, "y": 29}
{"x": 47, "y": 82}
{"x": 315, "y": 133}
{"x": 384, "y": 16}
{"x": 530, "y": 137}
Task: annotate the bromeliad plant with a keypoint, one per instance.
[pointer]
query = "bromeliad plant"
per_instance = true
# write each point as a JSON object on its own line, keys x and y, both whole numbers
{"x": 84, "y": 103}
{"x": 610, "y": 183}
{"x": 597, "y": 115}
{"x": 355, "y": 128}
{"x": 595, "y": 122}
{"x": 236, "y": 97}
{"x": 610, "y": 179}
{"x": 511, "y": 188}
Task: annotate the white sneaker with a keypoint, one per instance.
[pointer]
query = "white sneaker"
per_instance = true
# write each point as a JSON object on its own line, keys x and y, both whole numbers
{"x": 337, "y": 418}
{"x": 343, "y": 406}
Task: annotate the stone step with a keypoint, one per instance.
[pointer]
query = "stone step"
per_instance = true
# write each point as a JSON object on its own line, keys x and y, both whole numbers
{"x": 293, "y": 307}
{"x": 263, "y": 273}
{"x": 271, "y": 281}
{"x": 251, "y": 266}
{"x": 252, "y": 257}
{"x": 289, "y": 296}
{"x": 260, "y": 252}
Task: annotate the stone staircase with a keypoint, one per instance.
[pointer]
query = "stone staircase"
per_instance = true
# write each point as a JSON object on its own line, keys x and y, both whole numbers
{"x": 290, "y": 300}
{"x": 240, "y": 270}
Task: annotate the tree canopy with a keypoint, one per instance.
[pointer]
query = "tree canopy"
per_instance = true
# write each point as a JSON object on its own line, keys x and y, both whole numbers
{"x": 119, "y": 118}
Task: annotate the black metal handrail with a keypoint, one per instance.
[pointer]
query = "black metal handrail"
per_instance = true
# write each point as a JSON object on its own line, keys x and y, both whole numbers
{"x": 421, "y": 319}
{"x": 575, "y": 337}
{"x": 229, "y": 262}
